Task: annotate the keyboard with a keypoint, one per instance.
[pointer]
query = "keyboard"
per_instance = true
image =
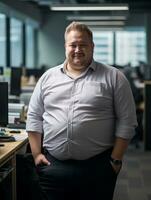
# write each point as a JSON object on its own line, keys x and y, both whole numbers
{"x": 7, "y": 138}
{"x": 17, "y": 126}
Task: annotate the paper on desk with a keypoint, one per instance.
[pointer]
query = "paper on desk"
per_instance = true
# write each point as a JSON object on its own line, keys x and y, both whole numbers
{"x": 22, "y": 136}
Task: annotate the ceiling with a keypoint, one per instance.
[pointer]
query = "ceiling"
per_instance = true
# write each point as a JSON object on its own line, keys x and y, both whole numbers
{"x": 134, "y": 5}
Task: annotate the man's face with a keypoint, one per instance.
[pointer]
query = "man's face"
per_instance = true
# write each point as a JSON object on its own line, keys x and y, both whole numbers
{"x": 79, "y": 49}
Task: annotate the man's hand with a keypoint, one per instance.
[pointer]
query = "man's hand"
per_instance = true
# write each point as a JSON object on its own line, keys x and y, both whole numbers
{"x": 41, "y": 159}
{"x": 116, "y": 167}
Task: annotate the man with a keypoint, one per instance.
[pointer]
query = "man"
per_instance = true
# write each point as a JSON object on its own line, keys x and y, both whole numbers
{"x": 80, "y": 120}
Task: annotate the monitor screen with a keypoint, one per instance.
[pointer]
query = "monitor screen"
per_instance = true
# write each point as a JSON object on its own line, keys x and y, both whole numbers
{"x": 37, "y": 73}
{"x": 3, "y": 104}
{"x": 15, "y": 81}
{"x": 147, "y": 72}
{"x": 1, "y": 70}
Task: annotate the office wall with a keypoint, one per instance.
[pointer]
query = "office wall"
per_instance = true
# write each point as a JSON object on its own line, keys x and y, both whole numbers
{"x": 136, "y": 20}
{"x": 51, "y": 39}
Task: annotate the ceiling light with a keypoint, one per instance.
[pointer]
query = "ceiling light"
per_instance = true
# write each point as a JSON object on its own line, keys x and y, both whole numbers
{"x": 85, "y": 7}
{"x": 108, "y": 28}
{"x": 103, "y": 23}
{"x": 85, "y": 18}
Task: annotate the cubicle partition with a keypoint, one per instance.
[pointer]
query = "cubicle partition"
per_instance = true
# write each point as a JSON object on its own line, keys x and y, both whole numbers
{"x": 3, "y": 104}
{"x": 147, "y": 115}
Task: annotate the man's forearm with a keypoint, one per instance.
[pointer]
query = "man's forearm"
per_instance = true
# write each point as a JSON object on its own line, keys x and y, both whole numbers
{"x": 119, "y": 148}
{"x": 35, "y": 143}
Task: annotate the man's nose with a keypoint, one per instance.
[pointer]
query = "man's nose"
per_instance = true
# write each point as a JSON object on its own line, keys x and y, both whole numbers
{"x": 78, "y": 48}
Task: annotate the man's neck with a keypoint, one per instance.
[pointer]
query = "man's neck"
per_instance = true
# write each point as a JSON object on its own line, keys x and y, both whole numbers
{"x": 74, "y": 73}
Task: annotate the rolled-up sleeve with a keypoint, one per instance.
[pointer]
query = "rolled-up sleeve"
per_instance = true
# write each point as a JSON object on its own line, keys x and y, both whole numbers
{"x": 35, "y": 111}
{"x": 125, "y": 110}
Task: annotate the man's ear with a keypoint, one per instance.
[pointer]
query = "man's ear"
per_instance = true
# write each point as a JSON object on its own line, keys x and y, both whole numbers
{"x": 93, "y": 44}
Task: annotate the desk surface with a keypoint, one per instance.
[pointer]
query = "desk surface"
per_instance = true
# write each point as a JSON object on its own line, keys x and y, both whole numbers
{"x": 9, "y": 148}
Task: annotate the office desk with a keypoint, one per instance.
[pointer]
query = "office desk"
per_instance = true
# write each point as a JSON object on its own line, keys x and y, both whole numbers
{"x": 8, "y": 162}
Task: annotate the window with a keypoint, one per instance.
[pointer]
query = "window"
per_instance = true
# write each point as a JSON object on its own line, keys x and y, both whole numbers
{"x": 16, "y": 42}
{"x": 2, "y": 40}
{"x": 29, "y": 46}
{"x": 130, "y": 47}
{"x": 126, "y": 47}
{"x": 103, "y": 51}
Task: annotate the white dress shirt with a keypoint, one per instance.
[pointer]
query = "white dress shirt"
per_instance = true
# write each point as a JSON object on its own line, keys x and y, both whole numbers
{"x": 80, "y": 118}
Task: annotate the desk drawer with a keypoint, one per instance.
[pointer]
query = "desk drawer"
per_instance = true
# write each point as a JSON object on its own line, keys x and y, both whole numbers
{"x": 5, "y": 171}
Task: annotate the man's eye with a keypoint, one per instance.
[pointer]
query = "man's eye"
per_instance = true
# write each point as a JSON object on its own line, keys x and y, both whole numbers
{"x": 83, "y": 45}
{"x": 80, "y": 46}
{"x": 72, "y": 45}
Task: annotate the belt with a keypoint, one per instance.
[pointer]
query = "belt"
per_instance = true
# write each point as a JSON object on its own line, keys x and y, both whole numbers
{"x": 105, "y": 154}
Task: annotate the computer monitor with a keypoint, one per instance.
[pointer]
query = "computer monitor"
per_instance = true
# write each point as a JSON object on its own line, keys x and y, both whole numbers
{"x": 15, "y": 81}
{"x": 1, "y": 70}
{"x": 37, "y": 73}
{"x": 3, "y": 104}
{"x": 147, "y": 72}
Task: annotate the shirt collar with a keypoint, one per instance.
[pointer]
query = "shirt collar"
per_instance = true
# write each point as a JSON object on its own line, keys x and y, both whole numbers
{"x": 91, "y": 66}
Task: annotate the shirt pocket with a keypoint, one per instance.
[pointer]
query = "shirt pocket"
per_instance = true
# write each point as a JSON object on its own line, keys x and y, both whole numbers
{"x": 95, "y": 95}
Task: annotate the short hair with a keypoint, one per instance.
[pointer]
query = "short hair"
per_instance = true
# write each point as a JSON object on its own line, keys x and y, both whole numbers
{"x": 78, "y": 26}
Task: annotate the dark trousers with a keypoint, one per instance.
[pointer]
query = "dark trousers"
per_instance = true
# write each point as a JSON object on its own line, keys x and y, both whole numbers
{"x": 91, "y": 179}
{"x": 27, "y": 180}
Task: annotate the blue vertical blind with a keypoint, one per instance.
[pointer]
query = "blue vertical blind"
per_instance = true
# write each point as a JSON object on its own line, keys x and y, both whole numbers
{"x": 2, "y": 40}
{"x": 16, "y": 42}
{"x": 103, "y": 51}
{"x": 29, "y": 46}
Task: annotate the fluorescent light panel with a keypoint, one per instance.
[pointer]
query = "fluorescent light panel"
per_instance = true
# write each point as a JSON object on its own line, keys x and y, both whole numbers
{"x": 84, "y": 7}
{"x": 96, "y": 18}
{"x": 103, "y": 23}
{"x": 111, "y": 28}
